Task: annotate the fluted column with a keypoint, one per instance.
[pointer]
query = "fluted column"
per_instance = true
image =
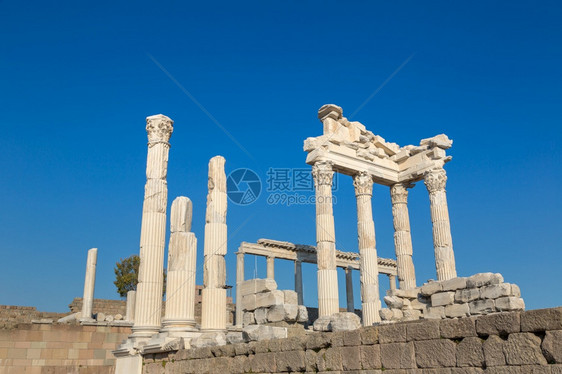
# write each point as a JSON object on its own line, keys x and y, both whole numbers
{"x": 131, "y": 301}
{"x": 328, "y": 299}
{"x": 182, "y": 262}
{"x": 270, "y": 267}
{"x": 349, "y": 290}
{"x": 239, "y": 280}
{"x": 392, "y": 282}
{"x": 368, "y": 262}
{"x": 213, "y": 314}
{"x": 435, "y": 181}
{"x": 402, "y": 236}
{"x": 148, "y": 307}
{"x": 89, "y": 284}
{"x": 298, "y": 281}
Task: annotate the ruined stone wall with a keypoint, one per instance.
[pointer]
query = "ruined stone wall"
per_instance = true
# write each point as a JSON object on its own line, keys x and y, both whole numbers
{"x": 510, "y": 342}
{"x": 12, "y": 315}
{"x": 59, "y": 348}
{"x": 107, "y": 307}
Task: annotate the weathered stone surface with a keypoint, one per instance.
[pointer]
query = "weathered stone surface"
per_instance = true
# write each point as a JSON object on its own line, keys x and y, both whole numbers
{"x": 371, "y": 356}
{"x": 423, "y": 330}
{"x": 386, "y": 314}
{"x": 261, "y": 332}
{"x": 369, "y": 335}
{"x": 260, "y": 315}
{"x": 397, "y": 314}
{"x": 510, "y": 303}
{"x": 493, "y": 351}
{"x": 542, "y": 319}
{"x": 248, "y": 319}
{"x": 291, "y": 297}
{"x": 435, "y": 312}
{"x": 457, "y": 310}
{"x": 430, "y": 288}
{"x": 482, "y": 306}
{"x": 392, "y": 333}
{"x": 209, "y": 339}
{"x": 464, "y": 296}
{"x": 302, "y": 315}
{"x": 262, "y": 363}
{"x": 351, "y": 338}
{"x": 453, "y": 284}
{"x": 483, "y": 279}
{"x": 412, "y": 314}
{"x": 100, "y": 317}
{"x": 523, "y": 349}
{"x": 394, "y": 302}
{"x": 253, "y": 286}
{"x": 442, "y": 298}
{"x": 270, "y": 298}
{"x": 398, "y": 356}
{"x": 234, "y": 337}
{"x": 498, "y": 324}
{"x": 345, "y": 321}
{"x": 496, "y": 290}
{"x": 351, "y": 358}
{"x": 470, "y": 352}
{"x": 552, "y": 346}
{"x": 410, "y": 293}
{"x": 435, "y": 353}
{"x": 457, "y": 328}
{"x": 329, "y": 359}
{"x": 318, "y": 341}
{"x": 284, "y": 312}
{"x": 294, "y": 361}
{"x": 323, "y": 323}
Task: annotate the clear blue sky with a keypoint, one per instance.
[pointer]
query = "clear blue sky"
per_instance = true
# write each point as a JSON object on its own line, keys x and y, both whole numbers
{"x": 78, "y": 81}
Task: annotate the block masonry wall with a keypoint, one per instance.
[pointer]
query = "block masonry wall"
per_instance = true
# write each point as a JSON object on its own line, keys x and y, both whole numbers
{"x": 12, "y": 315}
{"x": 509, "y": 342}
{"x": 59, "y": 348}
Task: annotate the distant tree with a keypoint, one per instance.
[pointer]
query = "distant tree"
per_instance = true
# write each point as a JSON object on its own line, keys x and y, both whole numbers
{"x": 127, "y": 275}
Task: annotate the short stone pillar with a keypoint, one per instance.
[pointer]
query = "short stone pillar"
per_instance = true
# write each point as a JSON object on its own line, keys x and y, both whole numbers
{"x": 213, "y": 314}
{"x": 182, "y": 262}
{"x": 239, "y": 281}
{"x": 298, "y": 282}
{"x": 270, "y": 267}
{"x": 328, "y": 298}
{"x": 402, "y": 236}
{"x": 130, "y": 311}
{"x": 148, "y": 309}
{"x": 349, "y": 290}
{"x": 435, "y": 181}
{"x": 89, "y": 285}
{"x": 392, "y": 282}
{"x": 368, "y": 263}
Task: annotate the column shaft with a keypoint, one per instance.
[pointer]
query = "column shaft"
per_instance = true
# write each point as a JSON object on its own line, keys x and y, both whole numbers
{"x": 435, "y": 181}
{"x": 328, "y": 299}
{"x": 89, "y": 284}
{"x": 270, "y": 267}
{"x": 131, "y": 300}
{"x": 392, "y": 282}
{"x": 402, "y": 236}
{"x": 239, "y": 280}
{"x": 298, "y": 282}
{"x": 349, "y": 290}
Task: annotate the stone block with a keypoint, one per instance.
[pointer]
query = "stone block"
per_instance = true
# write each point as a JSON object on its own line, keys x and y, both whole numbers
{"x": 369, "y": 335}
{"x": 411, "y": 293}
{"x": 209, "y": 339}
{"x": 392, "y": 333}
{"x": 386, "y": 314}
{"x": 435, "y": 353}
{"x": 394, "y": 302}
{"x": 457, "y": 310}
{"x": 430, "y": 288}
{"x": 498, "y": 324}
{"x": 323, "y": 323}
{"x": 302, "y": 316}
{"x": 329, "y": 359}
{"x": 470, "y": 352}
{"x": 541, "y": 319}
{"x": 318, "y": 341}
{"x": 412, "y": 314}
{"x": 523, "y": 349}
{"x": 283, "y": 312}
{"x": 351, "y": 338}
{"x": 345, "y": 321}
{"x": 442, "y": 298}
{"x": 294, "y": 361}
{"x": 397, "y": 314}
{"x": 457, "y": 328}
{"x": 261, "y": 332}
{"x": 234, "y": 337}
{"x": 270, "y": 298}
{"x": 496, "y": 290}
{"x": 515, "y": 290}
{"x": 423, "y": 330}
{"x": 291, "y": 297}
{"x": 420, "y": 304}
{"x": 351, "y": 358}
{"x": 248, "y": 318}
{"x": 261, "y": 363}
{"x": 249, "y": 303}
{"x": 260, "y": 315}
{"x": 398, "y": 356}
{"x": 552, "y": 346}
{"x": 493, "y": 351}
{"x": 254, "y": 286}
{"x": 371, "y": 356}
{"x": 435, "y": 312}
{"x": 510, "y": 303}
{"x": 482, "y": 306}
{"x": 453, "y": 284}
{"x": 483, "y": 279}
{"x": 464, "y": 296}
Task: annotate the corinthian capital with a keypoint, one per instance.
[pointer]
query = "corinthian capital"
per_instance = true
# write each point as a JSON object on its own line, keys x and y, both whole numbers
{"x": 159, "y": 128}
{"x": 435, "y": 180}
{"x": 399, "y": 193}
{"x": 363, "y": 183}
{"x": 323, "y": 173}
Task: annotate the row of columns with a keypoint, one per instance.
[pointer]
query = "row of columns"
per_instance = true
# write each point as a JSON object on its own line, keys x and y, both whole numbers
{"x": 328, "y": 302}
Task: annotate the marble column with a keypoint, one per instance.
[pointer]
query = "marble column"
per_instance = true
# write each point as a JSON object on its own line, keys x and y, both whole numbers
{"x": 182, "y": 262}
{"x": 328, "y": 299}
{"x": 89, "y": 285}
{"x": 435, "y": 181}
{"x": 402, "y": 236}
{"x": 349, "y": 290}
{"x": 148, "y": 309}
{"x": 392, "y": 282}
{"x": 213, "y": 314}
{"x": 270, "y": 267}
{"x": 298, "y": 281}
{"x": 130, "y": 311}
{"x": 239, "y": 280}
{"x": 369, "y": 267}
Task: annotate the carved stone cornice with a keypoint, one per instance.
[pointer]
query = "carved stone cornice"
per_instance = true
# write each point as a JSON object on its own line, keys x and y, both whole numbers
{"x": 435, "y": 180}
{"x": 399, "y": 193}
{"x": 323, "y": 173}
{"x": 363, "y": 183}
{"x": 159, "y": 129}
